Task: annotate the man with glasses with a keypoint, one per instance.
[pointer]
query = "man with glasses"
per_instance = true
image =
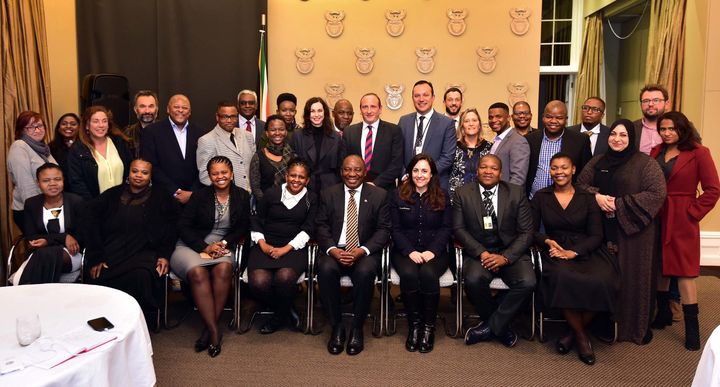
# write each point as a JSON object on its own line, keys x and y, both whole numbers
{"x": 553, "y": 139}
{"x": 593, "y": 111}
{"x": 653, "y": 103}
{"x": 247, "y": 105}
{"x": 522, "y": 116}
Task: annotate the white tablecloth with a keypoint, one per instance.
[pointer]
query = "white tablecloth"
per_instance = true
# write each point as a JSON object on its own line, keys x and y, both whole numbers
{"x": 708, "y": 369}
{"x": 126, "y": 361}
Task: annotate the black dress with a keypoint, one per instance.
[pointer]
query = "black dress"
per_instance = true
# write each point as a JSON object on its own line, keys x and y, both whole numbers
{"x": 280, "y": 225}
{"x": 591, "y": 280}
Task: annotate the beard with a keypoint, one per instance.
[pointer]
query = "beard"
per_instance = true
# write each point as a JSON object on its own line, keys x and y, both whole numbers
{"x": 147, "y": 118}
{"x": 452, "y": 113}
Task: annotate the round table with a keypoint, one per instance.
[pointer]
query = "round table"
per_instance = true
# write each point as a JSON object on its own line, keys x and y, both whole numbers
{"x": 125, "y": 361}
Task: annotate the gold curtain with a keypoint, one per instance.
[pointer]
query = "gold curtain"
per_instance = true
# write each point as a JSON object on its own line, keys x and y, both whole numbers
{"x": 25, "y": 86}
{"x": 591, "y": 60}
{"x": 666, "y": 48}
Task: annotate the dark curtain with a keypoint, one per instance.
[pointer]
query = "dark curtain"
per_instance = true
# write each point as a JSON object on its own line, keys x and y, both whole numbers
{"x": 207, "y": 50}
{"x": 552, "y": 87}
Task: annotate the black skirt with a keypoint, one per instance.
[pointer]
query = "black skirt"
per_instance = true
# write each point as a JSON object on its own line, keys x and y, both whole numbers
{"x": 295, "y": 259}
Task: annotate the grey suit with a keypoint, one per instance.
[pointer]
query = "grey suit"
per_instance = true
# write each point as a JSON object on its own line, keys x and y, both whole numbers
{"x": 601, "y": 145}
{"x": 217, "y": 143}
{"x": 440, "y": 142}
{"x": 514, "y": 153}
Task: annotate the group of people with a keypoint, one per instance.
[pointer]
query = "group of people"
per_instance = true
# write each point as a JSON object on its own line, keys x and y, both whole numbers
{"x": 607, "y": 207}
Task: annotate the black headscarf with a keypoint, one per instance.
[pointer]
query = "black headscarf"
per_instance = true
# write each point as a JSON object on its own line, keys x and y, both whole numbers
{"x": 612, "y": 160}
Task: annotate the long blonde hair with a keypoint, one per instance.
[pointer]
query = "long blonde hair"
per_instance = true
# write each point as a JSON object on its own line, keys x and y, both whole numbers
{"x": 460, "y": 133}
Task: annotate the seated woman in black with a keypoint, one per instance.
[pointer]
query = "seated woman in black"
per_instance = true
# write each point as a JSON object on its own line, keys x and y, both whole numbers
{"x": 579, "y": 274}
{"x": 281, "y": 229}
{"x": 52, "y": 223}
{"x": 131, "y": 233}
{"x": 422, "y": 223}
{"x": 212, "y": 222}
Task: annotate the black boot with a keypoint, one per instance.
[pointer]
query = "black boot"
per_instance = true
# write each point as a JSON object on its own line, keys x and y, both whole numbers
{"x": 663, "y": 318}
{"x": 430, "y": 305}
{"x": 692, "y": 327}
{"x": 412, "y": 309}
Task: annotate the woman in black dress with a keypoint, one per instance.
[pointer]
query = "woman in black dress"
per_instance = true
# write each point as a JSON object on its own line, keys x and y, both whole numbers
{"x": 281, "y": 229}
{"x": 131, "y": 234}
{"x": 268, "y": 166}
{"x": 319, "y": 144}
{"x": 422, "y": 222}
{"x": 66, "y": 134}
{"x": 211, "y": 224}
{"x": 579, "y": 274}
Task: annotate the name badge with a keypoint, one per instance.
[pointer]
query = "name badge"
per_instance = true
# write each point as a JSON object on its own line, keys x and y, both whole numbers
{"x": 487, "y": 222}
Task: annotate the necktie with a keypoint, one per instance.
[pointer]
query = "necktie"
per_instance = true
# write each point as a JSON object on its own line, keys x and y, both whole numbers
{"x": 487, "y": 202}
{"x": 351, "y": 233}
{"x": 368, "y": 148}
{"x": 53, "y": 225}
{"x": 248, "y": 127}
{"x": 232, "y": 139}
{"x": 419, "y": 138}
{"x": 589, "y": 133}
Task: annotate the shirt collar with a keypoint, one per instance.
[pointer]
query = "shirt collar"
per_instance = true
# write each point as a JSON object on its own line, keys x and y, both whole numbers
{"x": 243, "y": 121}
{"x": 175, "y": 127}
{"x": 546, "y": 138}
{"x": 357, "y": 190}
{"x": 287, "y": 195}
{"x": 594, "y": 129}
{"x": 426, "y": 115}
{"x": 504, "y": 134}
{"x": 493, "y": 189}
{"x": 374, "y": 124}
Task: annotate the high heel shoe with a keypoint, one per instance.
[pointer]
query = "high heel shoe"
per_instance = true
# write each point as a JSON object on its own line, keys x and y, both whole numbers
{"x": 588, "y": 357}
{"x": 215, "y": 349}
{"x": 565, "y": 343}
{"x": 201, "y": 343}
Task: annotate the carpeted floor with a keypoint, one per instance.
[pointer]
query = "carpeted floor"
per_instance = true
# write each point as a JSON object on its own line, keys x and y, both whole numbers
{"x": 289, "y": 358}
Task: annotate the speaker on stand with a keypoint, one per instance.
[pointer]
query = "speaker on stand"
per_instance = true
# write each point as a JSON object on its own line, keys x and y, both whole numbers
{"x": 111, "y": 91}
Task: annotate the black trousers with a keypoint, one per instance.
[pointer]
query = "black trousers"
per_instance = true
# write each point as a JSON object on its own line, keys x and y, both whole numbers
{"x": 362, "y": 273}
{"x": 519, "y": 277}
{"x": 421, "y": 278}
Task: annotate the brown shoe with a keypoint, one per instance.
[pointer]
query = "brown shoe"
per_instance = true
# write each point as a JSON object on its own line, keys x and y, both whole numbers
{"x": 677, "y": 313}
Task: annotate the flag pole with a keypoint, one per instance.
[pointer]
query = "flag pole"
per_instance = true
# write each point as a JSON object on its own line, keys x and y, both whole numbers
{"x": 262, "y": 72}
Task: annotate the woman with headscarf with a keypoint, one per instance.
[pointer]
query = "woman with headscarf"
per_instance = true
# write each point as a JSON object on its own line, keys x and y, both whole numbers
{"x": 268, "y": 166}
{"x": 629, "y": 187}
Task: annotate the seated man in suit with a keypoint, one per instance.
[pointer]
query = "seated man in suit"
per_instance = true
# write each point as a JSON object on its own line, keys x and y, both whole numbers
{"x": 426, "y": 131}
{"x": 226, "y": 139}
{"x": 170, "y": 146}
{"x": 553, "y": 139}
{"x": 593, "y": 111}
{"x": 510, "y": 147}
{"x": 378, "y": 142}
{"x": 493, "y": 222}
{"x": 352, "y": 227}
{"x": 247, "y": 104}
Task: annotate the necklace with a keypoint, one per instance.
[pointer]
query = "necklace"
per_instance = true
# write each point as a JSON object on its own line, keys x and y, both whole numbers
{"x": 221, "y": 208}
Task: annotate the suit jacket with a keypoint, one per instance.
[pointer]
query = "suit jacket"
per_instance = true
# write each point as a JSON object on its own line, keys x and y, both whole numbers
{"x": 217, "y": 143}
{"x": 83, "y": 169}
{"x": 73, "y": 206}
{"x": 159, "y": 146}
{"x": 514, "y": 218}
{"x": 326, "y": 170}
{"x": 387, "y": 160}
{"x": 198, "y": 217}
{"x": 514, "y": 153}
{"x": 638, "y": 132}
{"x": 259, "y": 133}
{"x": 573, "y": 143}
{"x": 601, "y": 145}
{"x": 374, "y": 222}
{"x": 440, "y": 142}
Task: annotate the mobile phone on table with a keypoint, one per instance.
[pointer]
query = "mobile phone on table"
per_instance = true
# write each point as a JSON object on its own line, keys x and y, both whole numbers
{"x": 101, "y": 324}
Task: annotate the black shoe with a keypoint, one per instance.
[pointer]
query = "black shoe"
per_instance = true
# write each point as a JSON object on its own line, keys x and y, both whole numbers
{"x": 589, "y": 357}
{"x": 508, "y": 338}
{"x": 201, "y": 344}
{"x": 663, "y": 318}
{"x": 478, "y": 333}
{"x": 427, "y": 341}
{"x": 692, "y": 327}
{"x": 647, "y": 338}
{"x": 336, "y": 344}
{"x": 411, "y": 344}
{"x": 215, "y": 349}
{"x": 565, "y": 343}
{"x": 271, "y": 326}
{"x": 356, "y": 343}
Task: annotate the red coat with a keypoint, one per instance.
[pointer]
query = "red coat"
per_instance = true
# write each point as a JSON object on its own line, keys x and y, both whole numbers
{"x": 683, "y": 209}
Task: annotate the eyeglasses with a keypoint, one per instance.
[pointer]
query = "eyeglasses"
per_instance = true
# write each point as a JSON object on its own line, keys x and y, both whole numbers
{"x": 39, "y": 126}
{"x": 521, "y": 114}
{"x": 227, "y": 116}
{"x": 591, "y": 108}
{"x": 668, "y": 129}
{"x": 654, "y": 101}
{"x": 248, "y": 103}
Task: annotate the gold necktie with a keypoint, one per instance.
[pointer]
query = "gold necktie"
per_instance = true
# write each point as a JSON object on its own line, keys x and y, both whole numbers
{"x": 351, "y": 233}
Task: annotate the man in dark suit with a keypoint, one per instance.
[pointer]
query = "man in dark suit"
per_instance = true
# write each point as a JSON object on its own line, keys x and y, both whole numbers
{"x": 353, "y": 226}
{"x": 378, "y": 142}
{"x": 170, "y": 146}
{"x": 429, "y": 132}
{"x": 493, "y": 222}
{"x": 247, "y": 105}
{"x": 510, "y": 147}
{"x": 553, "y": 139}
{"x": 593, "y": 111}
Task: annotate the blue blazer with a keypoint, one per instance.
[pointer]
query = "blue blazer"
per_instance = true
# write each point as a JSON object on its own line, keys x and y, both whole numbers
{"x": 440, "y": 143}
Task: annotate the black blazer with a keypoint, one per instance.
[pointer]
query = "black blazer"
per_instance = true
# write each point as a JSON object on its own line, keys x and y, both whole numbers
{"x": 387, "y": 160}
{"x": 326, "y": 170}
{"x": 373, "y": 217}
{"x": 514, "y": 217}
{"x": 73, "y": 209}
{"x": 83, "y": 169}
{"x": 601, "y": 146}
{"x": 159, "y": 146}
{"x": 416, "y": 227}
{"x": 198, "y": 217}
{"x": 573, "y": 143}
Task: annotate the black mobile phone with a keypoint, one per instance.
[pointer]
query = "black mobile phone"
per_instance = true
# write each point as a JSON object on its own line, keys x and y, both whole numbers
{"x": 100, "y": 324}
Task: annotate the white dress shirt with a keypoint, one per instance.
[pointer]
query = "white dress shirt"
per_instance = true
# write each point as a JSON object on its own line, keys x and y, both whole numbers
{"x": 343, "y": 236}
{"x": 180, "y": 135}
{"x": 498, "y": 139}
{"x": 594, "y": 137}
{"x": 426, "y": 124}
{"x": 494, "y": 198}
{"x": 242, "y": 124}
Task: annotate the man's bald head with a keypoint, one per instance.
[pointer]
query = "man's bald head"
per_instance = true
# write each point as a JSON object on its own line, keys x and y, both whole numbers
{"x": 343, "y": 113}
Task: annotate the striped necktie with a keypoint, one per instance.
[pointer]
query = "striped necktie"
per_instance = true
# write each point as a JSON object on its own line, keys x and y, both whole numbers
{"x": 351, "y": 233}
{"x": 368, "y": 147}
